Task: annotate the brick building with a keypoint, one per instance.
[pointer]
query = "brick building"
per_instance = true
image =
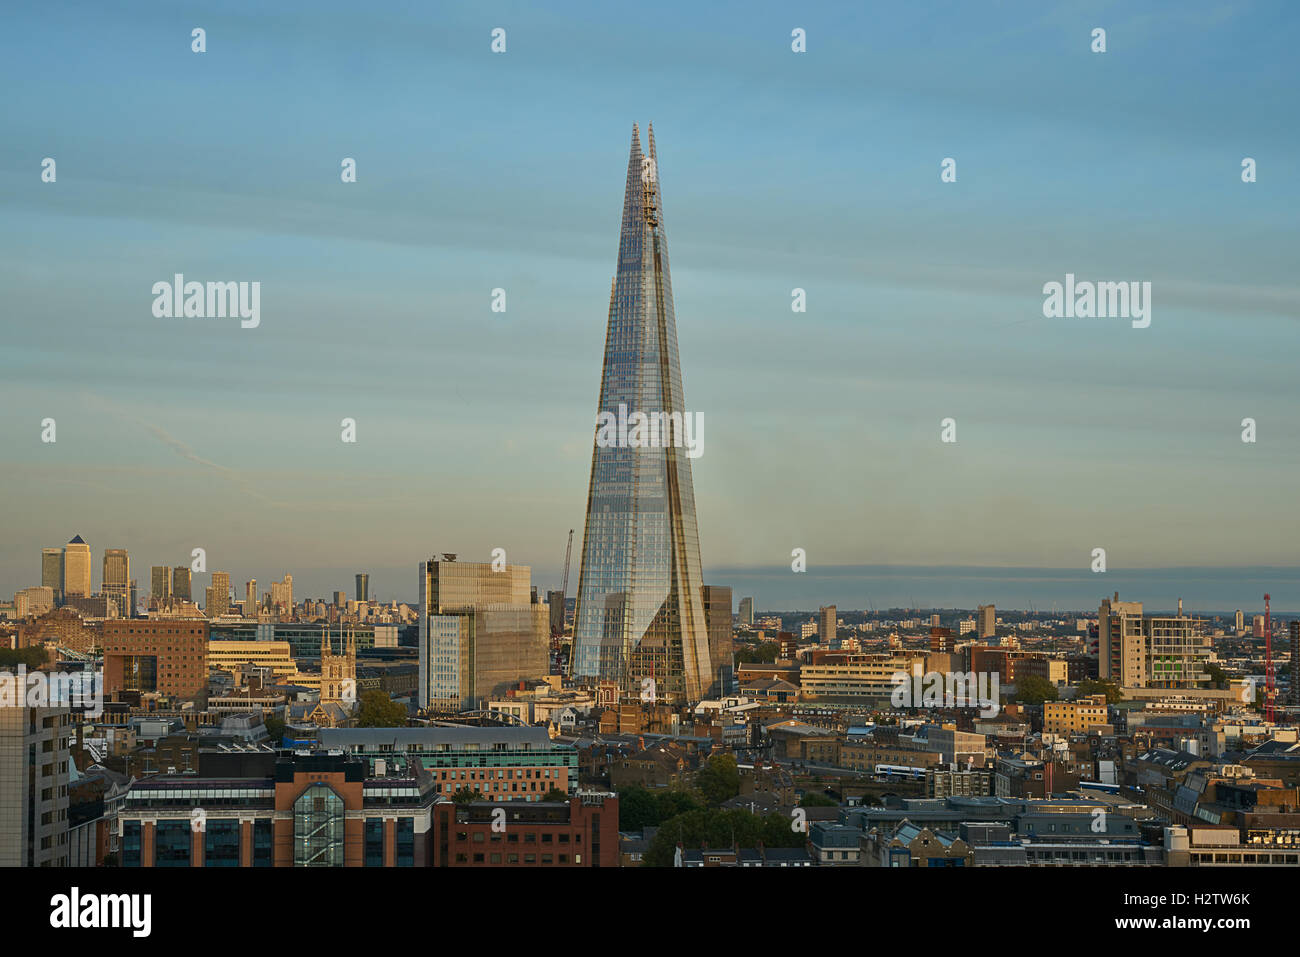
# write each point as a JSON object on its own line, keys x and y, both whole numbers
{"x": 167, "y": 656}
{"x": 580, "y": 833}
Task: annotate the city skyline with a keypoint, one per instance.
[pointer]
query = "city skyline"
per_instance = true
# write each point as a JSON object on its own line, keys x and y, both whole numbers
{"x": 377, "y": 294}
{"x": 1205, "y": 590}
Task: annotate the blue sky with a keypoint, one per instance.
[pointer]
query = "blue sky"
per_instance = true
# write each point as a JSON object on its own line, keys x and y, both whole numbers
{"x": 779, "y": 170}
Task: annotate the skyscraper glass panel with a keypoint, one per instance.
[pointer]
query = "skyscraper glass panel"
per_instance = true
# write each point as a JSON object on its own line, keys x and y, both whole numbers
{"x": 640, "y": 612}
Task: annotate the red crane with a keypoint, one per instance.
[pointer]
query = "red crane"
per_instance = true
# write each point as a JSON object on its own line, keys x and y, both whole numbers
{"x": 1268, "y": 663}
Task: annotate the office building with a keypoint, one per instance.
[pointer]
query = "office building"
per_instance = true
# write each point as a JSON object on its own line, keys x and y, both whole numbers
{"x": 285, "y": 809}
{"x": 746, "y": 611}
{"x": 717, "y": 618}
{"x": 480, "y": 633}
{"x": 36, "y": 600}
{"x": 182, "y": 578}
{"x": 164, "y": 656}
{"x": 52, "y": 572}
{"x": 160, "y": 582}
{"x": 497, "y": 763}
{"x": 117, "y": 580}
{"x": 217, "y": 596}
{"x": 363, "y": 586}
{"x": 76, "y": 569}
{"x": 35, "y": 764}
{"x": 232, "y": 656}
{"x": 986, "y": 618}
{"x": 639, "y": 611}
{"x": 579, "y": 832}
{"x": 826, "y": 624}
{"x": 282, "y": 596}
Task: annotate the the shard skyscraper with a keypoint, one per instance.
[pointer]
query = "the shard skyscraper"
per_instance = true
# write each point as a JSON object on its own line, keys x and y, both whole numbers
{"x": 640, "y": 611}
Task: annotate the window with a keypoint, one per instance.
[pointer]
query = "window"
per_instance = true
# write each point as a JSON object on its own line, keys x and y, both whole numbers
{"x": 374, "y": 842}
{"x": 172, "y": 844}
{"x": 405, "y": 842}
{"x": 318, "y": 828}
{"x": 221, "y": 844}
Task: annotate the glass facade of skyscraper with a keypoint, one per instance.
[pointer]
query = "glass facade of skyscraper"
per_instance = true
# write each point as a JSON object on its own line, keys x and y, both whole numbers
{"x": 640, "y": 612}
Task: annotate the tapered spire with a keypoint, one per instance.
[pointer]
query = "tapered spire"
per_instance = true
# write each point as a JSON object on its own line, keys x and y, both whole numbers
{"x": 639, "y": 616}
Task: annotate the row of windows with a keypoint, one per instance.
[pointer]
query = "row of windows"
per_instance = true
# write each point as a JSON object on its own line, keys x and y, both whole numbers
{"x": 530, "y": 837}
{"x": 514, "y": 859}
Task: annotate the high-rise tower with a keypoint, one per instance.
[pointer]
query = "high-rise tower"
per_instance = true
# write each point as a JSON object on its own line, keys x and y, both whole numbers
{"x": 640, "y": 608}
{"x": 76, "y": 568}
{"x": 117, "y": 580}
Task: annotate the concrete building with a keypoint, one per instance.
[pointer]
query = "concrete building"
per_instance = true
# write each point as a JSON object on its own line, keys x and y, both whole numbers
{"x": 37, "y": 600}
{"x": 986, "y": 618}
{"x": 854, "y": 678}
{"x": 826, "y": 624}
{"x": 232, "y": 656}
{"x": 34, "y": 770}
{"x": 1142, "y": 651}
{"x": 746, "y": 611}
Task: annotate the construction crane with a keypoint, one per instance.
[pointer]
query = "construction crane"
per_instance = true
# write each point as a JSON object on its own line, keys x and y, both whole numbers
{"x": 1268, "y": 662}
{"x": 568, "y": 549}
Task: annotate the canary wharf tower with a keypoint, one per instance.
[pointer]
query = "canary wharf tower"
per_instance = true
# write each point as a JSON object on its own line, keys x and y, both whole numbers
{"x": 639, "y": 611}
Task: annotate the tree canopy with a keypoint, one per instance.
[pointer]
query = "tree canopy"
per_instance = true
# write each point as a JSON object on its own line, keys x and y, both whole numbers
{"x": 378, "y": 710}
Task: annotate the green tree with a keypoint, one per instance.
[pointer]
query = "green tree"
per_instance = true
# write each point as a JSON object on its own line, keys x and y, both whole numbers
{"x": 1218, "y": 677}
{"x": 816, "y": 799}
{"x": 669, "y": 804}
{"x": 1032, "y": 689}
{"x": 763, "y": 653}
{"x": 718, "y": 828}
{"x": 719, "y": 779}
{"x": 378, "y": 710}
{"x": 274, "y": 729}
{"x": 555, "y": 794}
{"x": 31, "y": 657}
{"x": 637, "y": 808}
{"x": 1091, "y": 686}
{"x": 465, "y": 796}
